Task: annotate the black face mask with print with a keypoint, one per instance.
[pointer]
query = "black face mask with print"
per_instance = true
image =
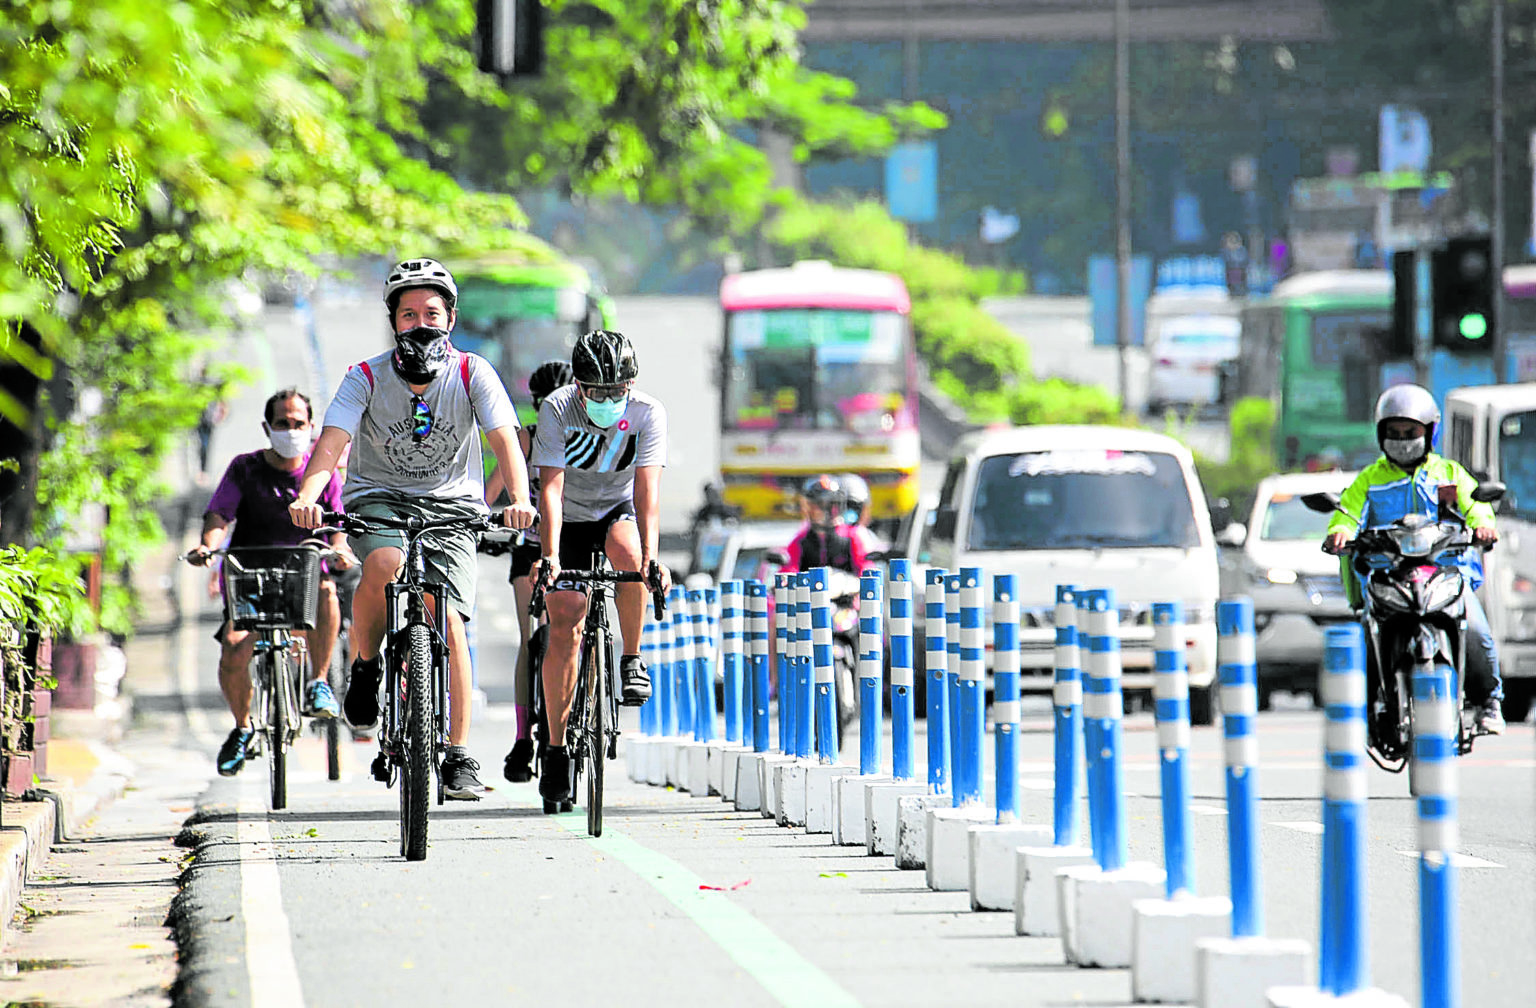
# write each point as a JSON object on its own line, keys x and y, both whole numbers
{"x": 421, "y": 354}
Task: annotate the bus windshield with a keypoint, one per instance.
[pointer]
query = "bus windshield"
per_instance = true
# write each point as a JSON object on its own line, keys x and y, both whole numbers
{"x": 815, "y": 369}
{"x": 1082, "y": 499}
{"x": 1517, "y": 464}
{"x": 517, "y": 327}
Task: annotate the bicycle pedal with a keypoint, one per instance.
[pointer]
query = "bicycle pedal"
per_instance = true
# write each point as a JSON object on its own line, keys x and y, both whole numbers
{"x": 380, "y": 768}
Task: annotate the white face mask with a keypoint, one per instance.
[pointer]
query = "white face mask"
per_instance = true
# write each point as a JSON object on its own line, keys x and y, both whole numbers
{"x": 1405, "y": 451}
{"x": 290, "y": 444}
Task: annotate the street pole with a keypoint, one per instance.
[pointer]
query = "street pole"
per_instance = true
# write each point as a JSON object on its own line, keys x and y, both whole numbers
{"x": 1123, "y": 193}
{"x": 1501, "y": 368}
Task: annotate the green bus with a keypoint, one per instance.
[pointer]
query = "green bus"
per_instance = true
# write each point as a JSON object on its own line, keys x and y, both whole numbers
{"x": 1315, "y": 348}
{"x": 521, "y": 307}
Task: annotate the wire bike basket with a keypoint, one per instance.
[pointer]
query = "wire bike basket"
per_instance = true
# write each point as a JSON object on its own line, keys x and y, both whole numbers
{"x": 272, "y": 587}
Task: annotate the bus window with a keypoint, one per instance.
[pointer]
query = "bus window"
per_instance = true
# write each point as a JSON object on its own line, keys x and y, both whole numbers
{"x": 1346, "y": 341}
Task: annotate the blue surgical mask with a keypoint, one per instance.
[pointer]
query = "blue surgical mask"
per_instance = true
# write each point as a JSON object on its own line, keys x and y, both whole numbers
{"x": 606, "y": 414}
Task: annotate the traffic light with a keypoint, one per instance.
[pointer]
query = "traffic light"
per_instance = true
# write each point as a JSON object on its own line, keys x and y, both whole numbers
{"x": 511, "y": 37}
{"x": 1465, "y": 308}
{"x": 1399, "y": 340}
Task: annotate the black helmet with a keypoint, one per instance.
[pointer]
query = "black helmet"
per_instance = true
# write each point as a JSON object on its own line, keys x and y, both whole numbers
{"x": 547, "y": 377}
{"x": 826, "y": 492}
{"x": 604, "y": 357}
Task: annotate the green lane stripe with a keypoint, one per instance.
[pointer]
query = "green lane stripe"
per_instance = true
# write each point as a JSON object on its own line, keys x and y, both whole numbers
{"x": 772, "y": 962}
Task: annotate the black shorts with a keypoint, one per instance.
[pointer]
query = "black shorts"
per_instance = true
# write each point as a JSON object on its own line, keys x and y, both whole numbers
{"x": 579, "y": 540}
{"x": 524, "y": 556}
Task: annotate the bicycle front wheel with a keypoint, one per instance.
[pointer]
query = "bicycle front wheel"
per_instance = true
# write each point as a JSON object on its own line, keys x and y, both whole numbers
{"x": 416, "y": 779}
{"x": 275, "y": 668}
{"x": 595, "y": 737}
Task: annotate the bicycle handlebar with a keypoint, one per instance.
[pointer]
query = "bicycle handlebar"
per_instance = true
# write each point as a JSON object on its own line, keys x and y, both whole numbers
{"x": 652, "y": 577}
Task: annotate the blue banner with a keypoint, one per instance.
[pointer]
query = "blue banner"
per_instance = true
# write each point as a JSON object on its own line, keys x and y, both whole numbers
{"x": 1102, "y": 284}
{"x": 912, "y": 181}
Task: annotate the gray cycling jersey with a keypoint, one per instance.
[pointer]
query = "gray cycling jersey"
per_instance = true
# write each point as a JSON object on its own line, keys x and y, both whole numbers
{"x": 373, "y": 405}
{"x": 599, "y": 462}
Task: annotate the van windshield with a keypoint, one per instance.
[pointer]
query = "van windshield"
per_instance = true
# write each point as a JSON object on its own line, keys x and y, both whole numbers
{"x": 1082, "y": 498}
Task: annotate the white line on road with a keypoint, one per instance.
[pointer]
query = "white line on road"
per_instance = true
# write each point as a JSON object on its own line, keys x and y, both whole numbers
{"x": 269, "y": 962}
{"x": 1300, "y": 826}
{"x": 1459, "y": 860}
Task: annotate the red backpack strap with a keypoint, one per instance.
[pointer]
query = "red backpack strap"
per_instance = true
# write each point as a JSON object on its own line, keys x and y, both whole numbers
{"x": 464, "y": 371}
{"x": 367, "y": 373}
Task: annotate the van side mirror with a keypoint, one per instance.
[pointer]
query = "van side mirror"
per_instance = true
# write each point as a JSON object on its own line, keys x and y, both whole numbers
{"x": 1322, "y": 502}
{"x": 1233, "y": 535}
{"x": 777, "y": 557}
{"x": 1489, "y": 491}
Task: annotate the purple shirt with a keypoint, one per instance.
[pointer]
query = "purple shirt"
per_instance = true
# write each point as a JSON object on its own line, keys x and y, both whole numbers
{"x": 255, "y": 496}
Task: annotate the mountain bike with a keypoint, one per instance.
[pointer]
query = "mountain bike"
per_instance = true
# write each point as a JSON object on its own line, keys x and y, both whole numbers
{"x": 413, "y": 720}
{"x": 271, "y": 591}
{"x": 592, "y": 730}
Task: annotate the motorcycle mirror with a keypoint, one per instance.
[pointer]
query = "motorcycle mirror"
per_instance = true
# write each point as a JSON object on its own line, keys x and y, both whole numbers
{"x": 1488, "y": 491}
{"x": 777, "y": 557}
{"x": 1322, "y": 502}
{"x": 876, "y": 556}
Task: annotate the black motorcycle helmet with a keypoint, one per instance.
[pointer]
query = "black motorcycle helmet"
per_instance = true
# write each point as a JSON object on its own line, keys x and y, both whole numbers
{"x": 604, "y": 357}
{"x": 826, "y": 492}
{"x": 546, "y": 378}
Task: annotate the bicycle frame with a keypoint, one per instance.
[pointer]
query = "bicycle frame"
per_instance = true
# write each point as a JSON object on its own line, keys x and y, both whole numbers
{"x": 405, "y": 604}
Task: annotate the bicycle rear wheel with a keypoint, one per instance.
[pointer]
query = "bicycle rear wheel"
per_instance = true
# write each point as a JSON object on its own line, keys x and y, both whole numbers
{"x": 416, "y": 778}
{"x": 595, "y": 734}
{"x": 276, "y": 668}
{"x": 335, "y": 675}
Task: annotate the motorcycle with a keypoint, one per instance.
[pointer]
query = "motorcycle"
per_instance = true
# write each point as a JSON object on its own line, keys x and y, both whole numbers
{"x": 1414, "y": 616}
{"x": 843, "y": 588}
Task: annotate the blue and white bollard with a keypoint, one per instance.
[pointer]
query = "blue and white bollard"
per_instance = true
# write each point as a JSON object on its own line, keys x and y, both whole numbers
{"x": 871, "y": 660}
{"x": 1005, "y": 694}
{"x": 757, "y": 650}
{"x": 1435, "y": 717}
{"x": 1240, "y": 708}
{"x": 732, "y": 654}
{"x": 1102, "y": 711}
{"x": 805, "y": 689}
{"x": 903, "y": 699}
{"x": 703, "y": 666}
{"x": 649, "y": 646}
{"x": 971, "y": 688}
{"x": 936, "y": 653}
{"x": 1343, "y": 964}
{"x": 682, "y": 660}
{"x": 1170, "y": 698}
{"x": 952, "y": 666}
{"x": 821, "y": 664}
{"x": 784, "y": 639}
{"x": 1067, "y": 701}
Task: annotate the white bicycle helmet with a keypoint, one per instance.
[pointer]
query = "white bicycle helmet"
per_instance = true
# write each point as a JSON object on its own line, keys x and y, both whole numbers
{"x": 419, "y": 273}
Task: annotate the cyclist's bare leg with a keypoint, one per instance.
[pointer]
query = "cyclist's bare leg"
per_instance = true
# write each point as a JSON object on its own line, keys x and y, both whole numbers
{"x": 623, "y": 548}
{"x": 522, "y": 675}
{"x": 235, "y": 653}
{"x": 566, "y": 611}
{"x": 379, "y": 569}
{"x": 460, "y": 679}
{"x": 322, "y": 639}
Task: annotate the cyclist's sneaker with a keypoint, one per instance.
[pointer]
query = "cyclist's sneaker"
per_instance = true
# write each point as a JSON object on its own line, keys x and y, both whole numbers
{"x": 362, "y": 703}
{"x": 555, "y": 778}
{"x": 518, "y": 767}
{"x": 1490, "y": 718}
{"x": 234, "y": 751}
{"x": 637, "y": 681}
{"x": 319, "y": 701}
{"x": 458, "y": 775}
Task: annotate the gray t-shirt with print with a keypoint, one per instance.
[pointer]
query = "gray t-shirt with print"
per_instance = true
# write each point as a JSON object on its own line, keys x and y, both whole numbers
{"x": 373, "y": 405}
{"x": 599, "y": 462}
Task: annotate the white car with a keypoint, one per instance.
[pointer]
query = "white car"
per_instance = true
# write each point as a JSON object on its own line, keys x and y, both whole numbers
{"x": 1295, "y": 586}
{"x": 1187, "y": 356}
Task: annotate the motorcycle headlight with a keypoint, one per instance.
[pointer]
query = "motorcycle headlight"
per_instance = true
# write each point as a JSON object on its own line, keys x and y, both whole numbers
{"x": 1417, "y": 542}
{"x": 1280, "y": 576}
{"x": 1443, "y": 590}
{"x": 1389, "y": 595}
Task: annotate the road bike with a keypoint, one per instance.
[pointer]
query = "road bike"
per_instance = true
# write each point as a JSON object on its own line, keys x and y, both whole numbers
{"x": 413, "y": 720}
{"x": 271, "y": 591}
{"x": 592, "y": 730}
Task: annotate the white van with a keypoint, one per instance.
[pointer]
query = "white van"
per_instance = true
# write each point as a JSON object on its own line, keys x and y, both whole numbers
{"x": 1096, "y": 507}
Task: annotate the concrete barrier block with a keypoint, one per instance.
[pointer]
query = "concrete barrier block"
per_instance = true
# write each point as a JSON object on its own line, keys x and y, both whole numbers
{"x": 1238, "y": 972}
{"x": 748, "y": 796}
{"x": 947, "y": 850}
{"x": 715, "y": 766}
{"x": 789, "y": 785}
{"x": 880, "y": 813}
{"x": 1095, "y": 907}
{"x": 820, "y": 794}
{"x": 634, "y": 747}
{"x": 848, "y": 811}
{"x": 729, "y": 757}
{"x": 695, "y": 760}
{"x": 912, "y": 828}
{"x": 1311, "y": 997}
{"x": 1035, "y": 907}
{"x": 1163, "y": 937}
{"x": 767, "y": 770}
{"x": 656, "y": 761}
{"x": 994, "y": 863}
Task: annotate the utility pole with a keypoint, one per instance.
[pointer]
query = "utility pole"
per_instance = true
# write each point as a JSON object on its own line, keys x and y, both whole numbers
{"x": 1501, "y": 369}
{"x": 1123, "y": 193}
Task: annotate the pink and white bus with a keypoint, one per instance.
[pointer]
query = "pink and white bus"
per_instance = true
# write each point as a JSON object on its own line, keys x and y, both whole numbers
{"x": 818, "y": 374}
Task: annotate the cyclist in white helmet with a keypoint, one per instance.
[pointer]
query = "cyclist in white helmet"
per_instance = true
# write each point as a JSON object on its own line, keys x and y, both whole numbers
{"x": 412, "y": 416}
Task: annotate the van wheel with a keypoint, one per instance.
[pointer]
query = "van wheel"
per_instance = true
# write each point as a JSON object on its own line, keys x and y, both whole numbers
{"x": 1202, "y": 705}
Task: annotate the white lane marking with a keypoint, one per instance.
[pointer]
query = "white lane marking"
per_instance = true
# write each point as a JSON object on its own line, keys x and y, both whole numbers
{"x": 1299, "y": 826}
{"x": 1459, "y": 860}
{"x": 269, "y": 962}
{"x": 1208, "y": 809}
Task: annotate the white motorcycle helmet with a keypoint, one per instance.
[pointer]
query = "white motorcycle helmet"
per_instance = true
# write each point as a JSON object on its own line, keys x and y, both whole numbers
{"x": 1407, "y": 402}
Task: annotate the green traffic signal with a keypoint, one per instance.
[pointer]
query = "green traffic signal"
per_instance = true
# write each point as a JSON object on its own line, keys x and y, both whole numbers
{"x": 1473, "y": 326}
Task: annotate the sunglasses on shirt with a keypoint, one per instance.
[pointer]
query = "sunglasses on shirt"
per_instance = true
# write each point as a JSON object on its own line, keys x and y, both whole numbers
{"x": 421, "y": 419}
{"x": 604, "y": 393}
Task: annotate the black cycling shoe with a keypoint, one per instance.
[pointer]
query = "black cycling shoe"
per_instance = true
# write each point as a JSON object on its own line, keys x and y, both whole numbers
{"x": 458, "y": 775}
{"x": 518, "y": 766}
{"x": 234, "y": 752}
{"x": 555, "y": 777}
{"x": 637, "y": 681}
{"x": 362, "y": 703}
